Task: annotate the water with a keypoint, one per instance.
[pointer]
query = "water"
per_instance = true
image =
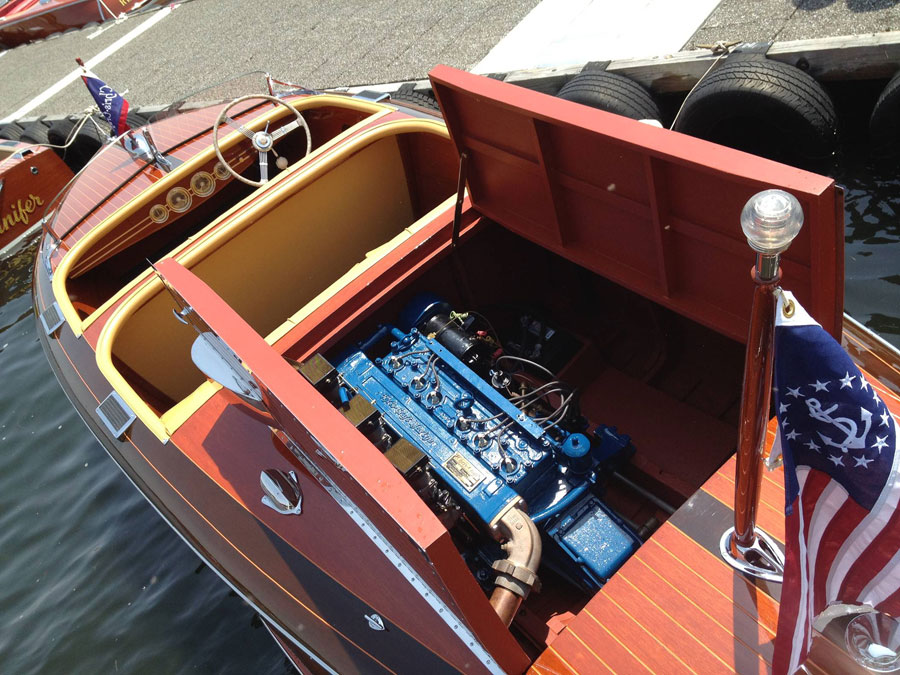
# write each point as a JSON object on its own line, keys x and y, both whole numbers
{"x": 91, "y": 579}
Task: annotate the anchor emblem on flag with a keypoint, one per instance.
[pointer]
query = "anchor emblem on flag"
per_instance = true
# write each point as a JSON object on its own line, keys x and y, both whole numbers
{"x": 852, "y": 439}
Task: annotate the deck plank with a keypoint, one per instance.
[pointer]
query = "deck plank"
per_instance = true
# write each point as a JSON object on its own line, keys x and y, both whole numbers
{"x": 745, "y": 626}
{"x": 768, "y": 518}
{"x": 665, "y": 624}
{"x": 551, "y": 663}
{"x": 676, "y": 606}
{"x": 599, "y": 620}
{"x": 719, "y": 636}
{"x": 584, "y": 659}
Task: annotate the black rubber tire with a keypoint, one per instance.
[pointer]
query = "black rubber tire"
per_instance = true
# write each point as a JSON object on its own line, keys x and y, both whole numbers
{"x": 86, "y": 143}
{"x": 612, "y": 93}
{"x": 764, "y": 107}
{"x": 11, "y": 131}
{"x": 884, "y": 125}
{"x": 136, "y": 120}
{"x": 418, "y": 98}
{"x": 36, "y": 132}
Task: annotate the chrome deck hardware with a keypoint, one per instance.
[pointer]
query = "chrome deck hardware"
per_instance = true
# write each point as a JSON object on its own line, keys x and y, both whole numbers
{"x": 116, "y": 414}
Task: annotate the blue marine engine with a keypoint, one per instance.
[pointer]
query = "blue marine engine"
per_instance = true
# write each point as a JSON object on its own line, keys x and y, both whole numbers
{"x": 478, "y": 431}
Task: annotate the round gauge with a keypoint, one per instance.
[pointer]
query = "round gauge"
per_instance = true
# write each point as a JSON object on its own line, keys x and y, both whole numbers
{"x": 203, "y": 183}
{"x": 159, "y": 213}
{"x": 178, "y": 199}
{"x": 221, "y": 171}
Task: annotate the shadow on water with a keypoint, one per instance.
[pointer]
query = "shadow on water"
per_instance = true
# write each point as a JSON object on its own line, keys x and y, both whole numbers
{"x": 91, "y": 579}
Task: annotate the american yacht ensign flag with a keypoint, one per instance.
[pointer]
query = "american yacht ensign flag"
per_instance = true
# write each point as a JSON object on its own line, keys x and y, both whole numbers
{"x": 839, "y": 441}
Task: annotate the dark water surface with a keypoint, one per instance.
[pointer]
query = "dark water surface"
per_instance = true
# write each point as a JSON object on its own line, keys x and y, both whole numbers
{"x": 91, "y": 579}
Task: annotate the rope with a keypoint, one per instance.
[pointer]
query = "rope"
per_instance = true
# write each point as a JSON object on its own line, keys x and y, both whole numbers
{"x": 88, "y": 113}
{"x": 722, "y": 49}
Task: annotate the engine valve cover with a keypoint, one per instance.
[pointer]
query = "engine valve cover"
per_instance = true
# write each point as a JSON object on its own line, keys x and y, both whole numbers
{"x": 482, "y": 444}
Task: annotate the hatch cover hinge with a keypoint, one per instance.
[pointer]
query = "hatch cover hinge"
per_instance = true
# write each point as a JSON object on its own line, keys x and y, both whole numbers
{"x": 115, "y": 414}
{"x": 52, "y": 318}
{"x": 460, "y": 197}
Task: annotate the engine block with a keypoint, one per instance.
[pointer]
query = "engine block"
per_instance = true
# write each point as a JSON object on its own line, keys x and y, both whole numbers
{"x": 436, "y": 411}
{"x": 478, "y": 441}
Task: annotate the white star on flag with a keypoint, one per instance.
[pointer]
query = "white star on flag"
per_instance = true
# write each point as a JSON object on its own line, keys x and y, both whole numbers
{"x": 847, "y": 380}
{"x": 821, "y": 386}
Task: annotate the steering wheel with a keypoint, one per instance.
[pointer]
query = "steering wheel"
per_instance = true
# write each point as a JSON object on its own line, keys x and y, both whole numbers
{"x": 263, "y": 141}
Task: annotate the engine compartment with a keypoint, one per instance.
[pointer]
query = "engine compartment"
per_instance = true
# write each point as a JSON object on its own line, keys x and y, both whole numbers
{"x": 604, "y": 480}
{"x": 482, "y": 428}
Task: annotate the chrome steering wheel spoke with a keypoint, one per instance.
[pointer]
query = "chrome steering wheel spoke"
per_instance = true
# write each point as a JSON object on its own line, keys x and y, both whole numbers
{"x": 263, "y": 166}
{"x": 240, "y": 127}
{"x": 286, "y": 129}
{"x": 262, "y": 141}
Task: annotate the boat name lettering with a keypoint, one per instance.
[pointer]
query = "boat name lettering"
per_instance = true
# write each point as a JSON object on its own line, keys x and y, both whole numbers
{"x": 109, "y": 95}
{"x": 20, "y": 212}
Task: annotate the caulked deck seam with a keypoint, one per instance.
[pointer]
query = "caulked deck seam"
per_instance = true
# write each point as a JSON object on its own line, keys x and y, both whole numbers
{"x": 718, "y": 590}
{"x": 679, "y": 624}
{"x": 593, "y": 653}
{"x": 641, "y": 627}
{"x": 728, "y": 630}
{"x": 615, "y": 638}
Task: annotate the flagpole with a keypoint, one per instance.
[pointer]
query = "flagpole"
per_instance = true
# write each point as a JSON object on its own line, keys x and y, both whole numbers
{"x": 770, "y": 220}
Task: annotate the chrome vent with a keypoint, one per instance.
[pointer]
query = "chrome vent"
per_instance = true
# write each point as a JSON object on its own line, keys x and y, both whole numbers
{"x": 116, "y": 415}
{"x": 52, "y": 318}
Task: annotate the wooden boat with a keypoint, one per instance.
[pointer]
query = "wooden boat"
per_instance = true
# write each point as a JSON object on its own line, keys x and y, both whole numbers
{"x": 423, "y": 429}
{"x": 30, "y": 177}
{"x": 24, "y": 21}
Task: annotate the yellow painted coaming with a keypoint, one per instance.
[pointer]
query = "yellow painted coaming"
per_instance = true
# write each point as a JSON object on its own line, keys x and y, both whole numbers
{"x": 178, "y": 175}
{"x": 230, "y": 227}
{"x": 237, "y": 207}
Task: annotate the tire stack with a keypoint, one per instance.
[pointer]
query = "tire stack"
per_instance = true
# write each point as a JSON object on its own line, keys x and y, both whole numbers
{"x": 764, "y": 107}
{"x": 80, "y": 145}
{"x": 884, "y": 125}
{"x": 611, "y": 93}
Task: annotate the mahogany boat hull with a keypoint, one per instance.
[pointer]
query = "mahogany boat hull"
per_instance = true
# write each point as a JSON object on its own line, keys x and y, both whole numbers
{"x": 361, "y": 576}
{"x": 30, "y": 177}
{"x": 42, "y": 20}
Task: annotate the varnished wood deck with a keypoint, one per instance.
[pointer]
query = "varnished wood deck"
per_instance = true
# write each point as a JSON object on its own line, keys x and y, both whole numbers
{"x": 676, "y": 607}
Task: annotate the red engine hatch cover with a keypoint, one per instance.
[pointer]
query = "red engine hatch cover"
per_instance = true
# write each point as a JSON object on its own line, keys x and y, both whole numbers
{"x": 654, "y": 210}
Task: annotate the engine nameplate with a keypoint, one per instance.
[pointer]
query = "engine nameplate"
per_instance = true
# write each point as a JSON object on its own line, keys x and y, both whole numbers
{"x": 464, "y": 471}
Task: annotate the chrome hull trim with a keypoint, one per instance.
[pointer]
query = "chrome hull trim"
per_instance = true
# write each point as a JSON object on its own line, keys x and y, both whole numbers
{"x": 415, "y": 580}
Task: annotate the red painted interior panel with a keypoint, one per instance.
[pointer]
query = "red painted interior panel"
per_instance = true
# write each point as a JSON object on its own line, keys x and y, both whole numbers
{"x": 649, "y": 208}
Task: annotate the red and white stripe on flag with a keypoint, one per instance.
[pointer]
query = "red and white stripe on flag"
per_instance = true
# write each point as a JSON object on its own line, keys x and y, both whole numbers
{"x": 842, "y": 485}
